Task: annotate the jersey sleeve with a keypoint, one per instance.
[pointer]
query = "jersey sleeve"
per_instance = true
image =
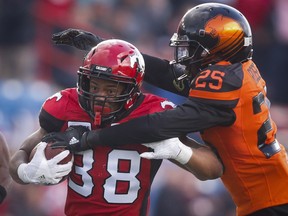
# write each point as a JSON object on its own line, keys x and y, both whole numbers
{"x": 160, "y": 73}
{"x": 184, "y": 119}
{"x": 51, "y": 111}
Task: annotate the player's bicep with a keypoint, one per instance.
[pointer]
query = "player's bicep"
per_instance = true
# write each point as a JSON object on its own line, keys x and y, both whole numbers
{"x": 49, "y": 122}
{"x": 31, "y": 141}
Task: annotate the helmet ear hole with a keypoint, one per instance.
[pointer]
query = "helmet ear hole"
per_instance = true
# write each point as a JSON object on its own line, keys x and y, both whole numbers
{"x": 202, "y": 33}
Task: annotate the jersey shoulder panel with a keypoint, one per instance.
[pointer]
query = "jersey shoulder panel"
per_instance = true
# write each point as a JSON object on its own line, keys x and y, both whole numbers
{"x": 221, "y": 82}
{"x": 60, "y": 109}
{"x": 62, "y": 103}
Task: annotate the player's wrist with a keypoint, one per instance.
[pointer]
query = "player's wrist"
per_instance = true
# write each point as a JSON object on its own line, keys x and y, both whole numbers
{"x": 185, "y": 154}
{"x": 90, "y": 139}
{"x": 84, "y": 142}
{"x": 21, "y": 172}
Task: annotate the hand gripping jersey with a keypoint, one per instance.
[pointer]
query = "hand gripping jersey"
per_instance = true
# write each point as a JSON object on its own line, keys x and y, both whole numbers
{"x": 105, "y": 180}
{"x": 256, "y": 169}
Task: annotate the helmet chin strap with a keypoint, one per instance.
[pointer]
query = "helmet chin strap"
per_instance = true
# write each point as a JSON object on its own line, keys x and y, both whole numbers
{"x": 99, "y": 110}
{"x": 97, "y": 119}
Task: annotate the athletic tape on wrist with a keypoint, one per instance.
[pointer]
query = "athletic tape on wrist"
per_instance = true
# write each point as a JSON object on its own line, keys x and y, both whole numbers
{"x": 185, "y": 154}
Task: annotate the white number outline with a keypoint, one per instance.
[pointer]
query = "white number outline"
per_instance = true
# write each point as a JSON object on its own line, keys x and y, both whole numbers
{"x": 109, "y": 187}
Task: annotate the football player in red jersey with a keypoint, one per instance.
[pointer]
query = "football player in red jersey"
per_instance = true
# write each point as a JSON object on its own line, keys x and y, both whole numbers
{"x": 106, "y": 180}
{"x": 227, "y": 103}
{"x": 5, "y": 179}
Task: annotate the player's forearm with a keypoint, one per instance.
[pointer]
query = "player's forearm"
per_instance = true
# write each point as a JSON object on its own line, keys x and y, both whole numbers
{"x": 142, "y": 132}
{"x": 158, "y": 126}
{"x": 5, "y": 182}
{"x": 160, "y": 73}
{"x": 5, "y": 179}
{"x": 22, "y": 155}
{"x": 211, "y": 168}
{"x": 18, "y": 158}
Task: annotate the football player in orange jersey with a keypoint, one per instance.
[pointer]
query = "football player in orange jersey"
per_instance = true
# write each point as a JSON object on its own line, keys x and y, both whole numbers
{"x": 106, "y": 180}
{"x": 227, "y": 102}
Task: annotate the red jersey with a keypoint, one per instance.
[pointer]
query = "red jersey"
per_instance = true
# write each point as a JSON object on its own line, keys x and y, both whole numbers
{"x": 105, "y": 180}
{"x": 255, "y": 164}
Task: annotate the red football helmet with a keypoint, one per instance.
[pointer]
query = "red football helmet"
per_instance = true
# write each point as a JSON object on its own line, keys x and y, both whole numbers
{"x": 113, "y": 60}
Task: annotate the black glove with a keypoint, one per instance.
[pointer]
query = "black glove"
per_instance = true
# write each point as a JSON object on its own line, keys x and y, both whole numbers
{"x": 80, "y": 39}
{"x": 72, "y": 139}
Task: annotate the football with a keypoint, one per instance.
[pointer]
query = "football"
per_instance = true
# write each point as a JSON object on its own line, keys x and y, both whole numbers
{"x": 50, "y": 153}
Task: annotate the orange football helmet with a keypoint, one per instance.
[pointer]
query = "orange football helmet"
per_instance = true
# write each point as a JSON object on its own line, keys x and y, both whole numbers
{"x": 209, "y": 33}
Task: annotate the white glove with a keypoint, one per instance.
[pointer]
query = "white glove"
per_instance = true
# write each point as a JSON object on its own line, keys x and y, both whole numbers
{"x": 169, "y": 149}
{"x": 42, "y": 171}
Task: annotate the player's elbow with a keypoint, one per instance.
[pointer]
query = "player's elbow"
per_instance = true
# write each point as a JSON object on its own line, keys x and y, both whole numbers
{"x": 205, "y": 165}
{"x": 211, "y": 173}
{"x": 210, "y": 176}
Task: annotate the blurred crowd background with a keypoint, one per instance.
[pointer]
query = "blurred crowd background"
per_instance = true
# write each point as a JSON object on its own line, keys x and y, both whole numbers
{"x": 32, "y": 68}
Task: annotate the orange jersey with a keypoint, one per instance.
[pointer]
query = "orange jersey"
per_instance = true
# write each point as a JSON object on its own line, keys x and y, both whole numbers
{"x": 256, "y": 168}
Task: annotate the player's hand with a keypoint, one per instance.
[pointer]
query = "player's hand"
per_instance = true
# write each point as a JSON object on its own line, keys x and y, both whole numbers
{"x": 42, "y": 171}
{"x": 71, "y": 139}
{"x": 169, "y": 149}
{"x": 78, "y": 38}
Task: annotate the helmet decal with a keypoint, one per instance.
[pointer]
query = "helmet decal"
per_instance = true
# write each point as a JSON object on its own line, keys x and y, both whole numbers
{"x": 222, "y": 26}
{"x": 229, "y": 35}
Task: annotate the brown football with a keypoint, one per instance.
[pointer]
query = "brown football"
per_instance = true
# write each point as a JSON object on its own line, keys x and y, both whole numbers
{"x": 50, "y": 153}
